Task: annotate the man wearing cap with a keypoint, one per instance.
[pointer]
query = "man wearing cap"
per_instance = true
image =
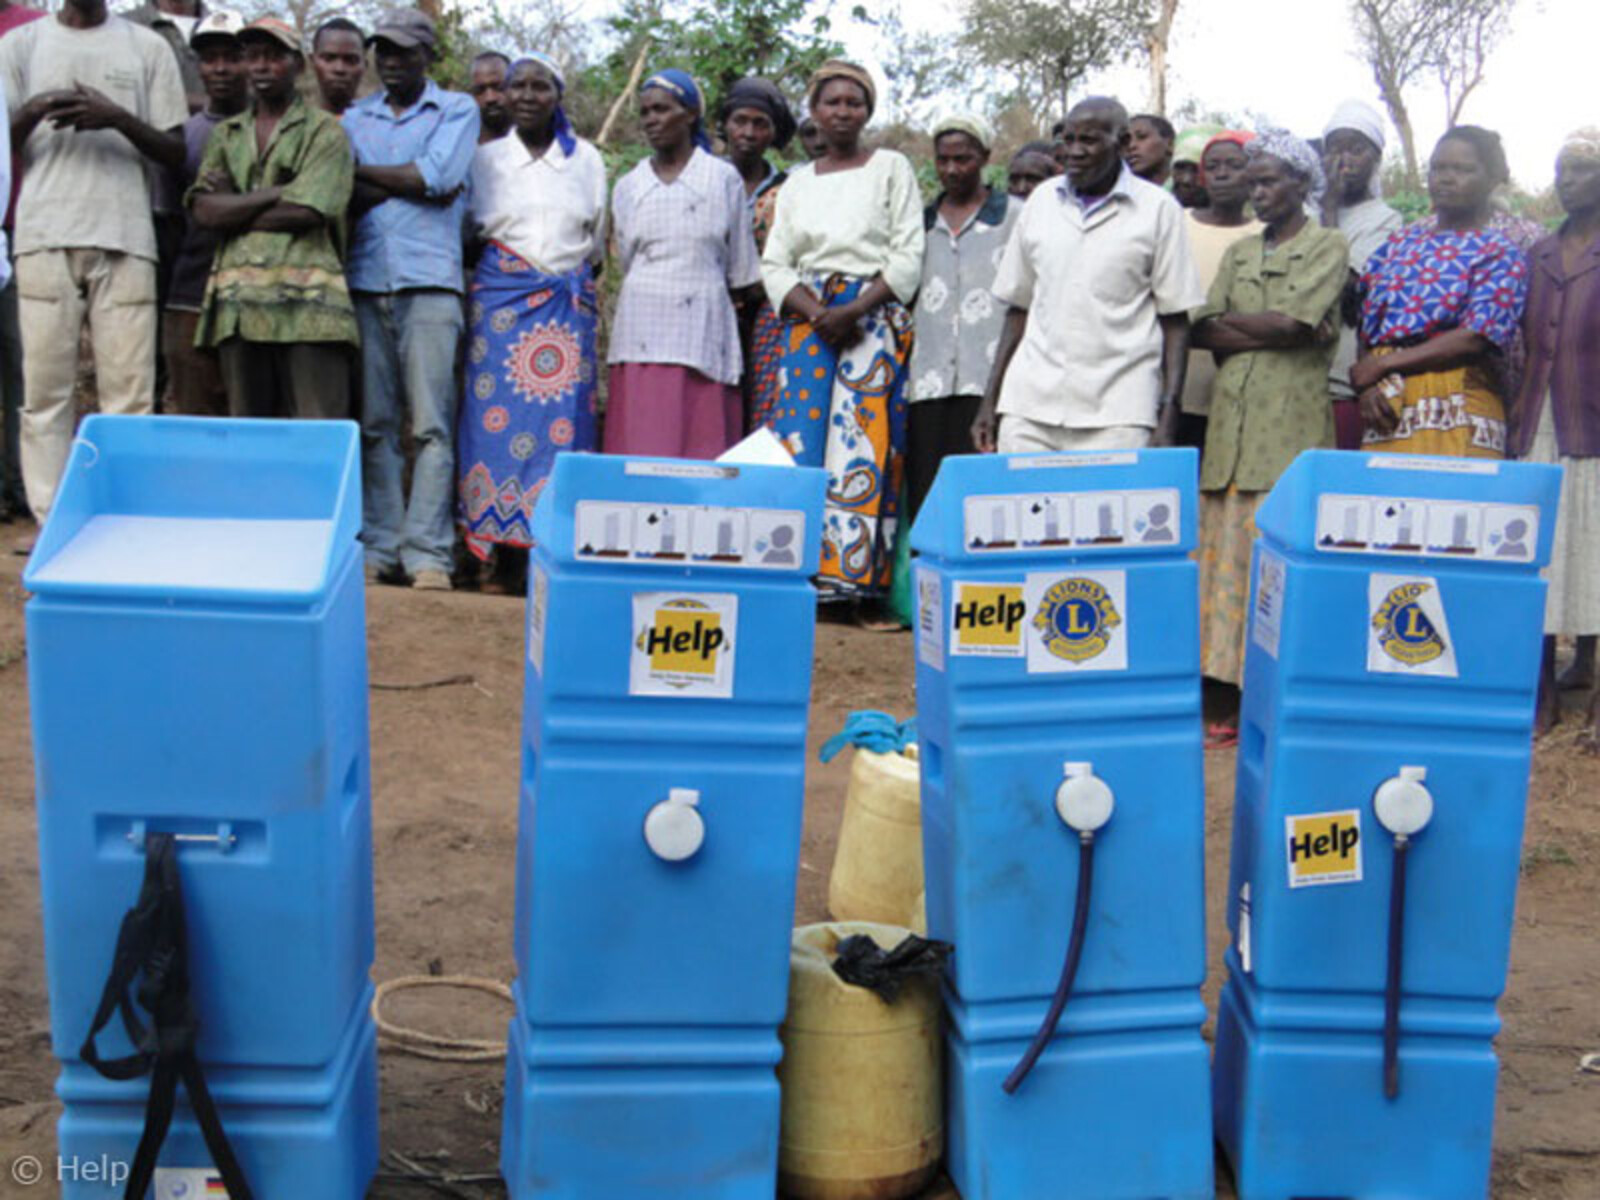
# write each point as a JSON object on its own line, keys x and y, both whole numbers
{"x": 1099, "y": 282}
{"x": 413, "y": 144}
{"x": 94, "y": 101}
{"x": 194, "y": 381}
{"x": 277, "y": 309}
{"x": 958, "y": 319}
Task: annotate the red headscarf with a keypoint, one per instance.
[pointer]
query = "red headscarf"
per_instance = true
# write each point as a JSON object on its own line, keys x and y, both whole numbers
{"x": 1238, "y": 137}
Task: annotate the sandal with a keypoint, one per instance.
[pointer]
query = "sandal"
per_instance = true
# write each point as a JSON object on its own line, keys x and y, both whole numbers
{"x": 1221, "y": 736}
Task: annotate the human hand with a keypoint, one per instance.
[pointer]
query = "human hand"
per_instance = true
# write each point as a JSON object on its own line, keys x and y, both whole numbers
{"x": 1377, "y": 412}
{"x": 985, "y": 427}
{"x": 86, "y": 108}
{"x": 838, "y": 326}
{"x": 1166, "y": 430}
{"x": 1365, "y": 372}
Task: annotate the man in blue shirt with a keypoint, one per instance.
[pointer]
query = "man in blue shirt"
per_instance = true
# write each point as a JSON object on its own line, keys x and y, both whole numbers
{"x": 413, "y": 144}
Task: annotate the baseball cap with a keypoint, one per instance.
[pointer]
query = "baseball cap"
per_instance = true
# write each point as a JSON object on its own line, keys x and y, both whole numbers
{"x": 405, "y": 27}
{"x": 219, "y": 23}
{"x": 272, "y": 29}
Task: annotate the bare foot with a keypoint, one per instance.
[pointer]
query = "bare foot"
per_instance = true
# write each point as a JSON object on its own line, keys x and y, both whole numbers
{"x": 1579, "y": 677}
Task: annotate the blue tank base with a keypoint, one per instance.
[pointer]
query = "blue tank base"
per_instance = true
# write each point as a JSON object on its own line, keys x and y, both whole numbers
{"x": 1303, "y": 1114}
{"x": 312, "y": 1135}
{"x": 1121, "y": 1116}
{"x": 640, "y": 1132}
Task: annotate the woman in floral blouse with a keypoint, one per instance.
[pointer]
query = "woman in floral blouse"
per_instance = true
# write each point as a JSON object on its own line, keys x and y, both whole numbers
{"x": 1442, "y": 304}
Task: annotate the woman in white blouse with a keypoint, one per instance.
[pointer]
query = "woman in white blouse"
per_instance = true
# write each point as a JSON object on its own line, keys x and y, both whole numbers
{"x": 538, "y": 204}
{"x": 682, "y": 232}
{"x": 842, "y": 264}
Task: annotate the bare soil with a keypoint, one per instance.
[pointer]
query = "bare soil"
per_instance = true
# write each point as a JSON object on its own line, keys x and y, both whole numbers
{"x": 445, "y": 765}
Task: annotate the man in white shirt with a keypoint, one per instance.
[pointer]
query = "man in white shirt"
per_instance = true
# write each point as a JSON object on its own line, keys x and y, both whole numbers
{"x": 95, "y": 100}
{"x": 1099, "y": 281}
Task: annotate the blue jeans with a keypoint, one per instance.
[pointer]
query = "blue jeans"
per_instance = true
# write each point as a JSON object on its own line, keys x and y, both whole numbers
{"x": 408, "y": 357}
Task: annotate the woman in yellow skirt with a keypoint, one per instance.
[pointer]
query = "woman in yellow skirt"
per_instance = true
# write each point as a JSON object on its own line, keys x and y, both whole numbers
{"x": 1271, "y": 319}
{"x": 1442, "y": 302}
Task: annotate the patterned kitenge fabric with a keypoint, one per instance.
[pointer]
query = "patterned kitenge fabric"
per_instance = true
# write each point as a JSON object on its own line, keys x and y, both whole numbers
{"x": 530, "y": 389}
{"x": 847, "y": 412}
{"x": 1425, "y": 281}
{"x": 764, "y": 354}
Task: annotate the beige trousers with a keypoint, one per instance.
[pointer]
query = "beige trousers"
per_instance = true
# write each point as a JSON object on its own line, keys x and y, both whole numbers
{"x": 1019, "y": 435}
{"x": 56, "y": 290}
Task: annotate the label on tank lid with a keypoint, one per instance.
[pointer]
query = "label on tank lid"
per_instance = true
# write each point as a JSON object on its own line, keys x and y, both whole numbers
{"x": 188, "y": 1183}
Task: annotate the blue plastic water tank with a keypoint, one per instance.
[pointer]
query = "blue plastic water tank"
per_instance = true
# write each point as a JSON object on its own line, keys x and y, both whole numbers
{"x": 1058, "y": 635}
{"x": 670, "y": 623}
{"x": 197, "y": 665}
{"x": 1397, "y": 612}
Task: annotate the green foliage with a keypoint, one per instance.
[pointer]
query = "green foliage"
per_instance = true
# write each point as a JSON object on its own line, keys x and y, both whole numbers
{"x": 718, "y": 43}
{"x": 1047, "y": 46}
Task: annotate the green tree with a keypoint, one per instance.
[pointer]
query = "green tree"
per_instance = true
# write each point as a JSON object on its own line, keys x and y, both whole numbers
{"x": 1048, "y": 47}
{"x": 719, "y": 43}
{"x": 1403, "y": 41}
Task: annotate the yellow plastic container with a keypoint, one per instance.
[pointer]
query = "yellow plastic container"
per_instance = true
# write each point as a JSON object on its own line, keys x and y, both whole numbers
{"x": 877, "y": 868}
{"x": 863, "y": 1082}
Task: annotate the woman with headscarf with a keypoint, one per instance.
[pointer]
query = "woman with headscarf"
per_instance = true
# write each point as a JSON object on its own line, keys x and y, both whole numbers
{"x": 539, "y": 205}
{"x": 682, "y": 234}
{"x": 1442, "y": 303}
{"x": 1224, "y": 219}
{"x": 1556, "y": 416}
{"x": 1272, "y": 319}
{"x": 1184, "y": 181}
{"x": 755, "y": 119}
{"x": 1352, "y": 150}
{"x": 841, "y": 264}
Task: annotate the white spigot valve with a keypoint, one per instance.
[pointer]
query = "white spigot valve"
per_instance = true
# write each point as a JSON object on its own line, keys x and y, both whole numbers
{"x": 1403, "y": 804}
{"x": 674, "y": 829}
{"x": 1083, "y": 800}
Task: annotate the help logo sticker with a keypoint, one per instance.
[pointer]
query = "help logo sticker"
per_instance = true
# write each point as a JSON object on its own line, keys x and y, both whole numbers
{"x": 988, "y": 619}
{"x": 1324, "y": 848}
{"x": 683, "y": 644}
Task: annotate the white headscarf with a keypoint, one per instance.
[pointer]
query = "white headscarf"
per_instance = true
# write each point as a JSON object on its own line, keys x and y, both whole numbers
{"x": 971, "y": 124}
{"x": 1362, "y": 118}
{"x": 1295, "y": 154}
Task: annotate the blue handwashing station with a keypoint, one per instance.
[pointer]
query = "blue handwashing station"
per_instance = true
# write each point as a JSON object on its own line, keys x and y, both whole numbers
{"x": 1383, "y": 769}
{"x": 1058, "y": 704}
{"x": 670, "y": 629}
{"x": 197, "y": 664}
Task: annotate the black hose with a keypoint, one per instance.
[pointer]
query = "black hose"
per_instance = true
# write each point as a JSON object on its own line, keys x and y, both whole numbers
{"x": 1069, "y": 969}
{"x": 1391, "y": 991}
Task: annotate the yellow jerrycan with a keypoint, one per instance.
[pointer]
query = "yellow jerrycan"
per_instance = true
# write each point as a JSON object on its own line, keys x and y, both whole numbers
{"x": 877, "y": 867}
{"x": 863, "y": 1082}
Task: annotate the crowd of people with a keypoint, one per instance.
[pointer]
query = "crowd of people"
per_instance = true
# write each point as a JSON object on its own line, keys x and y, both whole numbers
{"x": 428, "y": 262}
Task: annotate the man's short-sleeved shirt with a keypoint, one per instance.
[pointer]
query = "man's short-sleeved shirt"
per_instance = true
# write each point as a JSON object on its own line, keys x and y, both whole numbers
{"x": 1094, "y": 283}
{"x": 282, "y": 287}
{"x": 89, "y": 188}
{"x": 402, "y": 244}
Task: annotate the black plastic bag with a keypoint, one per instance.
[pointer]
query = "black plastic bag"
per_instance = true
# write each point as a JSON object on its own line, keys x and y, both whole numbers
{"x": 862, "y": 962}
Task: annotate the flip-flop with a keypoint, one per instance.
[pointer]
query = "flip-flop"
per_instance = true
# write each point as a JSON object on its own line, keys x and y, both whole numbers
{"x": 1221, "y": 736}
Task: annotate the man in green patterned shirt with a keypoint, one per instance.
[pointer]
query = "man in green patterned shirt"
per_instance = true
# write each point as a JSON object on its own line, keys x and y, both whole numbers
{"x": 274, "y": 183}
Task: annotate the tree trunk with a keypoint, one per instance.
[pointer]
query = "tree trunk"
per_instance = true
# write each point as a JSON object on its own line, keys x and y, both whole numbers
{"x": 1156, "y": 42}
{"x": 1401, "y": 116}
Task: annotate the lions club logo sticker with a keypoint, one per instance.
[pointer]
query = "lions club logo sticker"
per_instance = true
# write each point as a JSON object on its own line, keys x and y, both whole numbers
{"x": 1404, "y": 631}
{"x": 1078, "y": 622}
{"x": 1408, "y": 632}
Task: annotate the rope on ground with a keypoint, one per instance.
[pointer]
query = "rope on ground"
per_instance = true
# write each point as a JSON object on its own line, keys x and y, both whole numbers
{"x": 447, "y": 681}
{"x": 434, "y": 1046}
{"x": 406, "y": 1170}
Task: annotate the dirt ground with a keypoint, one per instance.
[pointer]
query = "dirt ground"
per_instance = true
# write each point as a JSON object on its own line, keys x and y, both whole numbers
{"x": 445, "y": 765}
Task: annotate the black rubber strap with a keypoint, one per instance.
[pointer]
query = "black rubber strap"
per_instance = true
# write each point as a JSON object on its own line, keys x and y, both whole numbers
{"x": 152, "y": 946}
